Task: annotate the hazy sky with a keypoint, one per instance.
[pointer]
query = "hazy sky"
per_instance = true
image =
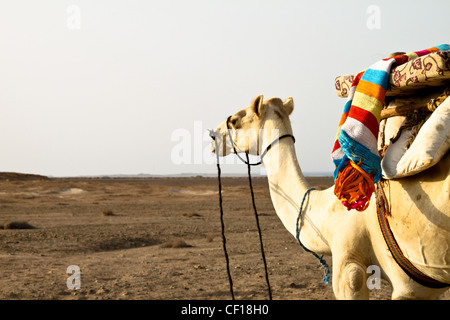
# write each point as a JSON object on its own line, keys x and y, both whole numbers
{"x": 92, "y": 87}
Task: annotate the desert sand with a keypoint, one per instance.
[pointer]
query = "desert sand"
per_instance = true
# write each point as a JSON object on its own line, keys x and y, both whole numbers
{"x": 149, "y": 239}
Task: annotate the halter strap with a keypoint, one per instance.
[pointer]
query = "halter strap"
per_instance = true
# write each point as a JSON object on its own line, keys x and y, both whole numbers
{"x": 262, "y": 154}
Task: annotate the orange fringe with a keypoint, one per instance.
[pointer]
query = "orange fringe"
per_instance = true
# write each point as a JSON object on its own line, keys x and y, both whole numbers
{"x": 354, "y": 187}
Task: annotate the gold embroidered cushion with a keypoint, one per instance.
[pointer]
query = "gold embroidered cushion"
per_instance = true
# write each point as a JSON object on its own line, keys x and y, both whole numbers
{"x": 430, "y": 70}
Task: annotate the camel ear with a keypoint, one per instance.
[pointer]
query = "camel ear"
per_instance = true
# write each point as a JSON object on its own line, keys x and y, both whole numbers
{"x": 257, "y": 105}
{"x": 288, "y": 105}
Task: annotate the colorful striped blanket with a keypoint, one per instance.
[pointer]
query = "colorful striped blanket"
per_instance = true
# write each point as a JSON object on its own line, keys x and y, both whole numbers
{"x": 355, "y": 152}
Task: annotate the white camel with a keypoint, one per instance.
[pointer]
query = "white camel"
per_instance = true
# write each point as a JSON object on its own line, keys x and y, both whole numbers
{"x": 420, "y": 211}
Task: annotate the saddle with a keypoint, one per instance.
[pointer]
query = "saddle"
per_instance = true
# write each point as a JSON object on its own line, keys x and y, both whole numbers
{"x": 413, "y": 143}
{"x": 414, "y": 130}
{"x": 414, "y": 134}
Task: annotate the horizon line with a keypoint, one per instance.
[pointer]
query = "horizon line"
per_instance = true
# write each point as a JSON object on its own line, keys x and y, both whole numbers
{"x": 172, "y": 175}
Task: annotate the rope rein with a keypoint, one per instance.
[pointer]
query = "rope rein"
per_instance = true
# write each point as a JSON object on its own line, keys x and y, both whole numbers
{"x": 326, "y": 270}
{"x": 259, "y": 229}
{"x": 224, "y": 240}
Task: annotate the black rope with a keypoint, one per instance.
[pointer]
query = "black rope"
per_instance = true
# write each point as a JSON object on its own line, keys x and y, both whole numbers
{"x": 259, "y": 229}
{"x": 224, "y": 240}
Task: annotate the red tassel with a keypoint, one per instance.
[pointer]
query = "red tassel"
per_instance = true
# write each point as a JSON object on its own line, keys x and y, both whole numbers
{"x": 354, "y": 187}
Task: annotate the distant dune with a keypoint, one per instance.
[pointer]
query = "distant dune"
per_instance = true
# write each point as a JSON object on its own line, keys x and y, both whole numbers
{"x": 21, "y": 176}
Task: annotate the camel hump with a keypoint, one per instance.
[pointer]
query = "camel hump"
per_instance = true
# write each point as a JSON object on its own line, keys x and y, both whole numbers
{"x": 420, "y": 218}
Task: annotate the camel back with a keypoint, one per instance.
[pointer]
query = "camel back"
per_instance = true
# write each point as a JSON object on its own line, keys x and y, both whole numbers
{"x": 415, "y": 122}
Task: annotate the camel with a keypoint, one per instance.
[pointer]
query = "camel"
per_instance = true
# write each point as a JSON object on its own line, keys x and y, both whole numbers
{"x": 420, "y": 211}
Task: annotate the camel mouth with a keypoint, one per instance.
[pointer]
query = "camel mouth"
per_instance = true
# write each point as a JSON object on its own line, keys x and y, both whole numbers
{"x": 212, "y": 147}
{"x": 219, "y": 143}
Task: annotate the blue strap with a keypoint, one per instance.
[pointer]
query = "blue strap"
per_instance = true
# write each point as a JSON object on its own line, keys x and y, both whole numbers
{"x": 326, "y": 270}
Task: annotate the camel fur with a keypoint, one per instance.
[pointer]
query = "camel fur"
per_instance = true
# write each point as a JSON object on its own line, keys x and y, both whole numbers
{"x": 420, "y": 211}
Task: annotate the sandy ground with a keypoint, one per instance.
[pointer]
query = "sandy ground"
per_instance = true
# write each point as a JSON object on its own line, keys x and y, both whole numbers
{"x": 150, "y": 238}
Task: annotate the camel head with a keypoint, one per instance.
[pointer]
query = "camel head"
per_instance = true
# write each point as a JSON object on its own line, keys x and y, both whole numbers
{"x": 253, "y": 128}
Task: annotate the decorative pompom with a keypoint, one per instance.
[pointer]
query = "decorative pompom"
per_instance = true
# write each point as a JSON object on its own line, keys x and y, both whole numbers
{"x": 354, "y": 187}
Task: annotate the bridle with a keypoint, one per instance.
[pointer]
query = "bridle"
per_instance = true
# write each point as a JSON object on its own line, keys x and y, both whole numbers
{"x": 229, "y": 129}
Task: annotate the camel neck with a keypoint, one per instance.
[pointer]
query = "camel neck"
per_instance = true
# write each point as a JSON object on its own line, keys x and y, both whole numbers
{"x": 287, "y": 183}
{"x": 287, "y": 186}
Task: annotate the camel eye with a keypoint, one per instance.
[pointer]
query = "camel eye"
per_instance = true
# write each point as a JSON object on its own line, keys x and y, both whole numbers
{"x": 233, "y": 121}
